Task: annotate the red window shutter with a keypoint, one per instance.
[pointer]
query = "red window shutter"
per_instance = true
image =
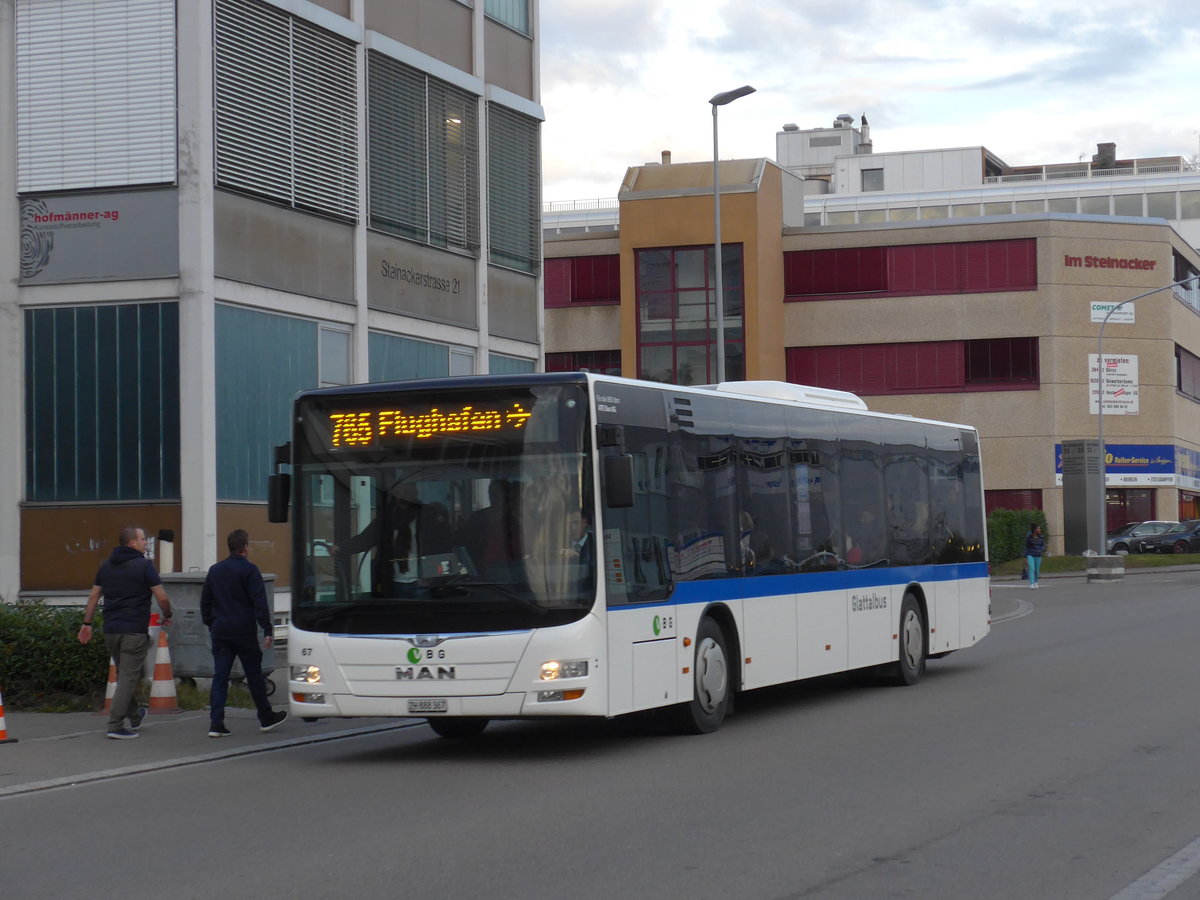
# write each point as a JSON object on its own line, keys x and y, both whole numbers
{"x": 1022, "y": 264}
{"x": 798, "y": 273}
{"x": 607, "y": 277}
{"x": 874, "y": 370}
{"x": 979, "y": 260}
{"x": 825, "y": 271}
{"x": 902, "y": 269}
{"x": 557, "y": 282}
{"x": 873, "y": 269}
{"x": 802, "y": 366}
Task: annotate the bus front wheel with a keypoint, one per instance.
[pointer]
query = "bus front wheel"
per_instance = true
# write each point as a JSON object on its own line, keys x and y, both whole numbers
{"x": 463, "y": 727}
{"x": 706, "y": 710}
{"x": 911, "y": 665}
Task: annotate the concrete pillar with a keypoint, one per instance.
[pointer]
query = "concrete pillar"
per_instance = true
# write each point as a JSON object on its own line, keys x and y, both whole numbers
{"x": 197, "y": 302}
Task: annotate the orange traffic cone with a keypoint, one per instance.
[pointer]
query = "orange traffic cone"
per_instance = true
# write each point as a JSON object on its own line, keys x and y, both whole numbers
{"x": 4, "y": 738}
{"x": 162, "y": 688}
{"x": 111, "y": 690}
{"x": 155, "y": 628}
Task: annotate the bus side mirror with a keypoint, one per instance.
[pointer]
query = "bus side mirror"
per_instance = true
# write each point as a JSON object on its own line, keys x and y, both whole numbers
{"x": 279, "y": 487}
{"x": 618, "y": 481}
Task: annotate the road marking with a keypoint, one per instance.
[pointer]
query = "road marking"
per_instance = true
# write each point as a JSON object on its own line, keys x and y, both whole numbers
{"x": 158, "y": 764}
{"x": 1024, "y": 608}
{"x": 1166, "y": 876}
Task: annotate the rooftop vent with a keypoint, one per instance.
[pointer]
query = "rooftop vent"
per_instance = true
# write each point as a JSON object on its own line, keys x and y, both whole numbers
{"x": 791, "y": 126}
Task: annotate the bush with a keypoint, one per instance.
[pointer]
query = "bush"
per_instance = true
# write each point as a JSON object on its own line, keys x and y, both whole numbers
{"x": 42, "y": 662}
{"x": 1006, "y": 532}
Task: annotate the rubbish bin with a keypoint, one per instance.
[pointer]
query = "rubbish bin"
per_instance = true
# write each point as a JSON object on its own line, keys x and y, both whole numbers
{"x": 191, "y": 651}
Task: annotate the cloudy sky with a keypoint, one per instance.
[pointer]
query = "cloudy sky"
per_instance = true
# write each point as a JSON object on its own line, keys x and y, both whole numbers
{"x": 1034, "y": 81}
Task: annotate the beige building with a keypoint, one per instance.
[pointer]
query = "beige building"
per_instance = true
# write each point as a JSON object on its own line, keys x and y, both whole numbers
{"x": 987, "y": 320}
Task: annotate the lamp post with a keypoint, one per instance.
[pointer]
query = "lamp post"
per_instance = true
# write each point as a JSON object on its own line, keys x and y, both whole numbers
{"x": 721, "y": 100}
{"x": 1103, "y": 515}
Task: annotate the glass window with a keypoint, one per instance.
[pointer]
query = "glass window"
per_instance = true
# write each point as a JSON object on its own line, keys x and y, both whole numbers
{"x": 677, "y": 327}
{"x": 706, "y": 529}
{"x": 422, "y": 156}
{"x": 964, "y": 210}
{"x": 935, "y": 212}
{"x": 286, "y": 109}
{"x": 514, "y": 190}
{"x": 813, "y": 472}
{"x": 335, "y": 356}
{"x": 1003, "y": 208}
{"x": 1029, "y": 206}
{"x": 906, "y": 492}
{"x": 872, "y": 179}
{"x": 864, "y": 537}
{"x": 841, "y": 217}
{"x": 396, "y": 358}
{"x": 462, "y": 362}
{"x": 1094, "y": 206}
{"x": 102, "y": 402}
{"x": 866, "y": 216}
{"x": 508, "y": 365}
{"x": 262, "y": 361}
{"x": 812, "y": 220}
{"x": 513, "y": 13}
{"x": 1127, "y": 205}
{"x": 1062, "y": 205}
{"x": 1189, "y": 204}
{"x": 902, "y": 214}
{"x": 1161, "y": 205}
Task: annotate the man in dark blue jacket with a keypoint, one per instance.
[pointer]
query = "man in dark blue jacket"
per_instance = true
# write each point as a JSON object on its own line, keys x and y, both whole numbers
{"x": 126, "y": 580}
{"x": 233, "y": 604}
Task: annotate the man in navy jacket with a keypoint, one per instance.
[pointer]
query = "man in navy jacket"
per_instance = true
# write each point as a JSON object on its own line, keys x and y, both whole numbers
{"x": 233, "y": 604}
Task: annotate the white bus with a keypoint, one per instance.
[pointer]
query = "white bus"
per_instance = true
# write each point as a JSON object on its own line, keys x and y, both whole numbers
{"x": 571, "y": 544}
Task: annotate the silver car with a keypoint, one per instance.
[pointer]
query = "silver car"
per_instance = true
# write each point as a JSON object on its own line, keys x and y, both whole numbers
{"x": 1128, "y": 538}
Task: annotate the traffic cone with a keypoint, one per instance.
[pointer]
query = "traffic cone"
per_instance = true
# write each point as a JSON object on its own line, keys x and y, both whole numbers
{"x": 155, "y": 628}
{"x": 162, "y": 688}
{"x": 4, "y": 738}
{"x": 111, "y": 690}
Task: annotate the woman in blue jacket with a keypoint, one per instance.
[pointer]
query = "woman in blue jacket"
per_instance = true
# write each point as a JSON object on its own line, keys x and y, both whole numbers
{"x": 1035, "y": 546}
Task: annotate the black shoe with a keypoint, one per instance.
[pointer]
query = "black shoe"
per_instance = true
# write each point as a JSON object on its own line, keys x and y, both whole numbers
{"x": 135, "y": 721}
{"x": 219, "y": 731}
{"x": 276, "y": 719}
{"x": 122, "y": 734}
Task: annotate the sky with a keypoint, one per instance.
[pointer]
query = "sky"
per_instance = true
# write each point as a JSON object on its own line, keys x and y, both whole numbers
{"x": 1034, "y": 81}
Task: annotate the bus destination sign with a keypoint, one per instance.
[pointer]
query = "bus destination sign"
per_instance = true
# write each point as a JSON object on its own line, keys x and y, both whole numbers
{"x": 359, "y": 428}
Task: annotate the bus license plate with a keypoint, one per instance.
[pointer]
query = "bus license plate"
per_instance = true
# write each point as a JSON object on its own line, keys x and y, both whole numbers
{"x": 427, "y": 706}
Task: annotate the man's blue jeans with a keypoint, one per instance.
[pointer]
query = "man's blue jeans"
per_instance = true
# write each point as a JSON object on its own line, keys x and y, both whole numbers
{"x": 249, "y": 652}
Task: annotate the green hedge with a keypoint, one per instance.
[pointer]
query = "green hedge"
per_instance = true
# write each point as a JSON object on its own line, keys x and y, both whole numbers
{"x": 41, "y": 660}
{"x": 1006, "y": 532}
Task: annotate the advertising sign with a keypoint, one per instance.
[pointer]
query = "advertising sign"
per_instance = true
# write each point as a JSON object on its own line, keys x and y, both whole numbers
{"x": 99, "y": 237}
{"x": 1130, "y": 465}
{"x": 1100, "y": 309}
{"x": 1120, "y": 384}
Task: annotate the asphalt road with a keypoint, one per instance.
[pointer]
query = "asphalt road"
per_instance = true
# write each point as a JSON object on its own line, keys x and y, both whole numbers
{"x": 1058, "y": 758}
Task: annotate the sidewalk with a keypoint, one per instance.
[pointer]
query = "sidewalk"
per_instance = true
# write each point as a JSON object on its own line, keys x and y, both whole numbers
{"x": 62, "y": 749}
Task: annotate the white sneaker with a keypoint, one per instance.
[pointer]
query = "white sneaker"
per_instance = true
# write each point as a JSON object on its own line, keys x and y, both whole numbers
{"x": 1033, "y": 587}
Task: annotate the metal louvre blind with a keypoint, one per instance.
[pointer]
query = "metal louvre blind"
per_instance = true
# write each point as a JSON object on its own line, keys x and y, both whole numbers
{"x": 398, "y": 184}
{"x": 286, "y": 111}
{"x": 514, "y": 167}
{"x": 423, "y": 152}
{"x": 95, "y": 93}
{"x": 453, "y": 167}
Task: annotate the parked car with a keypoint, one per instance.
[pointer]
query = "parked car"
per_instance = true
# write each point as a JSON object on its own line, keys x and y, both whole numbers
{"x": 1128, "y": 538}
{"x": 1183, "y": 538}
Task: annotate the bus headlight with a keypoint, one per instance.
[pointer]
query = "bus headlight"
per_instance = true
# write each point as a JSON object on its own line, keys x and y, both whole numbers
{"x": 307, "y": 674}
{"x": 564, "y": 668}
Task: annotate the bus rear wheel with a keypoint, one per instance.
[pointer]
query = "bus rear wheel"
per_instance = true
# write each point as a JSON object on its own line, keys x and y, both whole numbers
{"x": 705, "y": 712}
{"x": 460, "y": 727}
{"x": 911, "y": 665}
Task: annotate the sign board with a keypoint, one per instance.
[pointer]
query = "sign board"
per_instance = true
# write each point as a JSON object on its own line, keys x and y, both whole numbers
{"x": 1099, "y": 309}
{"x": 1120, "y": 384}
{"x": 1128, "y": 465}
{"x": 99, "y": 237}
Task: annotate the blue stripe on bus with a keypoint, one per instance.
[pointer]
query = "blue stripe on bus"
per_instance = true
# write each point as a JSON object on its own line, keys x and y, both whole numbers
{"x": 722, "y": 589}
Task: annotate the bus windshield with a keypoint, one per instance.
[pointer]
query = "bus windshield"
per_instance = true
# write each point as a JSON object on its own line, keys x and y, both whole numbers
{"x": 443, "y": 511}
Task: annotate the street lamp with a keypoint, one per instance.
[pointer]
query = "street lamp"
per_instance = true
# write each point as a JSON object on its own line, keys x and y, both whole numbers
{"x": 1100, "y": 538}
{"x": 721, "y": 100}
